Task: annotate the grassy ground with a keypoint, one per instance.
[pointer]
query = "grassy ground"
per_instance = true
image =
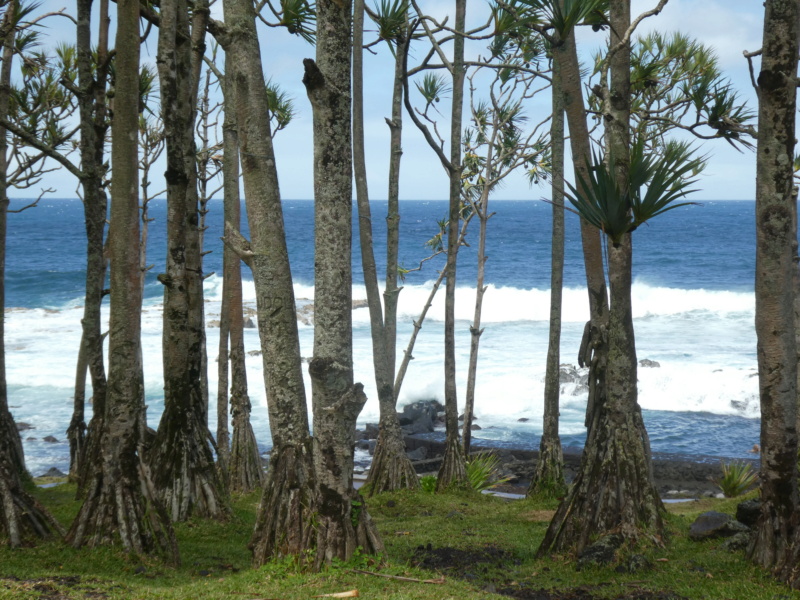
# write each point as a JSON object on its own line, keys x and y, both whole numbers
{"x": 460, "y": 546}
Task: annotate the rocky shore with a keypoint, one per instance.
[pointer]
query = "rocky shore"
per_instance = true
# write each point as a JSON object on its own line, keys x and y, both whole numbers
{"x": 676, "y": 475}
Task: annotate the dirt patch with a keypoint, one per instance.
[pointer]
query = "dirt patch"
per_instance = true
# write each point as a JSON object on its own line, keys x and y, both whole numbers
{"x": 539, "y": 516}
{"x": 584, "y": 593}
{"x": 465, "y": 564}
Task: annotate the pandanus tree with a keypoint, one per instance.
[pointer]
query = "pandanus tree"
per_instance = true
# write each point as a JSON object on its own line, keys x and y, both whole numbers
{"x": 498, "y": 141}
{"x": 391, "y": 469}
{"x": 184, "y": 473}
{"x": 120, "y": 503}
{"x": 614, "y": 489}
{"x": 22, "y": 517}
{"x": 452, "y": 471}
{"x": 775, "y": 543}
{"x": 308, "y": 501}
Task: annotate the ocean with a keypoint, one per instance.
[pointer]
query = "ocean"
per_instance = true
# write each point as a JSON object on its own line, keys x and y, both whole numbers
{"x": 693, "y": 308}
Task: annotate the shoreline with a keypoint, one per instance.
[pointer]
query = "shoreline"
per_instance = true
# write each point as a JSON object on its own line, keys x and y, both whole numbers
{"x": 676, "y": 475}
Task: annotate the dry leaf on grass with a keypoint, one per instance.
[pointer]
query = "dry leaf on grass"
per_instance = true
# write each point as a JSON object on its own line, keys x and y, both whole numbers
{"x": 347, "y": 594}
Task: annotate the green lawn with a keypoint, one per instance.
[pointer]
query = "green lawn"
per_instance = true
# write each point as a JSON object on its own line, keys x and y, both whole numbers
{"x": 457, "y": 545}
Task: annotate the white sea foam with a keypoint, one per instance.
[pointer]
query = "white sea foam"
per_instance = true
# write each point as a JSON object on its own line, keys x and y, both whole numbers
{"x": 703, "y": 340}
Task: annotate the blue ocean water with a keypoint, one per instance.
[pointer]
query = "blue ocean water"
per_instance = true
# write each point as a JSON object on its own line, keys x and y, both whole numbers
{"x": 693, "y": 309}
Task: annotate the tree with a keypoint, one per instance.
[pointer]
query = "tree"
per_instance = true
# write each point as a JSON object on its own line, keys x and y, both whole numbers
{"x": 391, "y": 469}
{"x": 93, "y": 77}
{"x": 284, "y": 519}
{"x": 548, "y": 479}
{"x": 615, "y": 483}
{"x": 21, "y": 515}
{"x": 774, "y": 545}
{"x": 184, "y": 473}
{"x": 343, "y": 523}
{"x": 242, "y": 462}
{"x": 120, "y": 502}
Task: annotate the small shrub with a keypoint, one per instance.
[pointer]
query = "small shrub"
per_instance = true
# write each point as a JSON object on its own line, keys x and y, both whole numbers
{"x": 482, "y": 471}
{"x": 737, "y": 478}
{"x": 428, "y": 483}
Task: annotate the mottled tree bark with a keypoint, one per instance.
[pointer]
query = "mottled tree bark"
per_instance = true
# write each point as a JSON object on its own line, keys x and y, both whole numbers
{"x": 245, "y": 472}
{"x": 548, "y": 479}
{"x": 92, "y": 81}
{"x": 614, "y": 489}
{"x": 391, "y": 469}
{"x": 22, "y": 517}
{"x": 120, "y": 501}
{"x": 343, "y": 523}
{"x": 776, "y": 541}
{"x": 284, "y": 524}
{"x": 184, "y": 473}
{"x": 453, "y": 471}
{"x": 12, "y": 448}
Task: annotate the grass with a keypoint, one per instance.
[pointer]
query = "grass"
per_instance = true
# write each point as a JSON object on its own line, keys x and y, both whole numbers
{"x": 491, "y": 541}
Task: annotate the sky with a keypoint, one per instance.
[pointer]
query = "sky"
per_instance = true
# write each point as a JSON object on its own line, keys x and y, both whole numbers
{"x": 728, "y": 26}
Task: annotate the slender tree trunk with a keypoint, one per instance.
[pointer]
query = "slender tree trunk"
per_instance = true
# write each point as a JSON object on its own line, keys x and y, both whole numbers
{"x": 120, "y": 501}
{"x": 184, "y": 473}
{"x": 343, "y": 523}
{"x": 452, "y": 471}
{"x": 21, "y": 516}
{"x": 614, "y": 490}
{"x": 285, "y": 514}
{"x": 391, "y": 469}
{"x": 548, "y": 479}
{"x": 593, "y": 350}
{"x": 245, "y": 471}
{"x": 775, "y": 544}
{"x": 475, "y": 329}
{"x": 93, "y": 118}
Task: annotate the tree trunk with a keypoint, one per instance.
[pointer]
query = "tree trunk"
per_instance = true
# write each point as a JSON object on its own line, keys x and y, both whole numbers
{"x": 391, "y": 469}
{"x": 21, "y": 516}
{"x": 548, "y": 479}
{"x": 184, "y": 473}
{"x": 593, "y": 349}
{"x": 286, "y": 512}
{"x": 614, "y": 488}
{"x": 452, "y": 471}
{"x": 92, "y": 79}
{"x": 343, "y": 522}
{"x": 775, "y": 544}
{"x": 475, "y": 329}
{"x": 76, "y": 432}
{"x": 245, "y": 472}
{"x": 120, "y": 502}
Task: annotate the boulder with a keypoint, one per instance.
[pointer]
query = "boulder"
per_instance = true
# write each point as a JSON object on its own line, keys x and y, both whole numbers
{"x": 419, "y": 417}
{"x": 523, "y": 420}
{"x": 574, "y": 375}
{"x": 249, "y": 324}
{"x": 53, "y": 472}
{"x": 738, "y": 542}
{"x": 646, "y": 362}
{"x": 713, "y": 524}
{"x": 50, "y": 439}
{"x": 360, "y": 304}
{"x": 420, "y": 453}
{"x": 748, "y": 512}
{"x": 371, "y": 431}
{"x": 21, "y": 426}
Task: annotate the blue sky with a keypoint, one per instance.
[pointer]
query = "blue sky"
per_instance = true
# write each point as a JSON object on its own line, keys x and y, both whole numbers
{"x": 728, "y": 26}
